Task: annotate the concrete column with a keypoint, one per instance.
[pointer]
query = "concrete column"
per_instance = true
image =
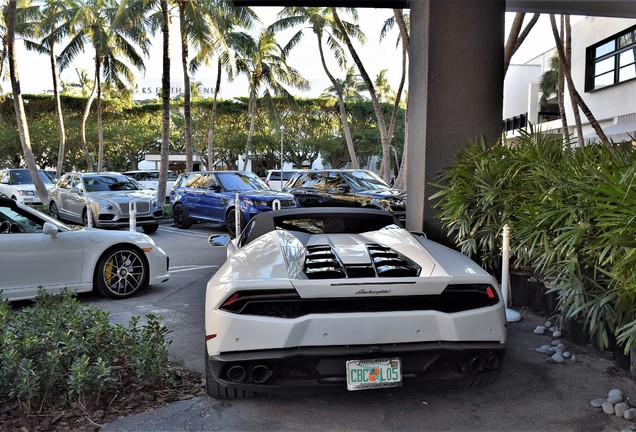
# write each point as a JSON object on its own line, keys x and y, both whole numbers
{"x": 455, "y": 92}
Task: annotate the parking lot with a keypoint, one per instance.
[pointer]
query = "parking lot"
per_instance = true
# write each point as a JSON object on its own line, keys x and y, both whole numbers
{"x": 529, "y": 394}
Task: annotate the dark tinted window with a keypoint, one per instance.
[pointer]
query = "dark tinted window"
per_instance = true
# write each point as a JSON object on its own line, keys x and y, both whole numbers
{"x": 365, "y": 180}
{"x": 23, "y": 176}
{"x": 112, "y": 182}
{"x": 244, "y": 181}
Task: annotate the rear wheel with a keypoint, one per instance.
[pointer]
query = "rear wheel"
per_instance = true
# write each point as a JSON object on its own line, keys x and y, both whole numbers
{"x": 149, "y": 229}
{"x": 217, "y": 391}
{"x": 230, "y": 222}
{"x": 55, "y": 214}
{"x": 121, "y": 272}
{"x": 181, "y": 217}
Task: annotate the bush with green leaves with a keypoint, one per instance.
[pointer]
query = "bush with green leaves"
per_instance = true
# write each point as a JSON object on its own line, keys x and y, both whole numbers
{"x": 571, "y": 216}
{"x": 59, "y": 352}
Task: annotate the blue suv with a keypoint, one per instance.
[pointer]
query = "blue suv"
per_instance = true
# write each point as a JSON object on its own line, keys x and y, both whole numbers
{"x": 208, "y": 196}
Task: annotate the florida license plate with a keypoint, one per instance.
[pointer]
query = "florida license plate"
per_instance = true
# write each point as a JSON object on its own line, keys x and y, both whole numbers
{"x": 373, "y": 373}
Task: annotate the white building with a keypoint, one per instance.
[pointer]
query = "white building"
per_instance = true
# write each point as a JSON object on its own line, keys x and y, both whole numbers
{"x": 604, "y": 74}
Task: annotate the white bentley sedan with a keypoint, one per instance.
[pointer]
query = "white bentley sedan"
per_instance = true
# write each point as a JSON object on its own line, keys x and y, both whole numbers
{"x": 38, "y": 251}
{"x": 346, "y": 298}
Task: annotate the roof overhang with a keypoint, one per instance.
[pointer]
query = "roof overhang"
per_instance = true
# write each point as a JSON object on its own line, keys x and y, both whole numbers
{"x": 608, "y": 8}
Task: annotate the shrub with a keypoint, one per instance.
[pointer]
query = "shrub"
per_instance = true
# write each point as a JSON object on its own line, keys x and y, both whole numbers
{"x": 59, "y": 352}
{"x": 571, "y": 216}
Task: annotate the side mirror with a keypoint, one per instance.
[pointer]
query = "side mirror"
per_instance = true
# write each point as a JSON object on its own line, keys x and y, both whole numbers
{"x": 219, "y": 240}
{"x": 50, "y": 229}
{"x": 75, "y": 190}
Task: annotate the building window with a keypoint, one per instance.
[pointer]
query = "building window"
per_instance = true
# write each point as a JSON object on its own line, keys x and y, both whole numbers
{"x": 612, "y": 61}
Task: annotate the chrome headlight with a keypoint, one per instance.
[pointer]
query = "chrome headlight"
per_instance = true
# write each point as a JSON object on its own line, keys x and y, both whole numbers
{"x": 104, "y": 206}
{"x": 26, "y": 192}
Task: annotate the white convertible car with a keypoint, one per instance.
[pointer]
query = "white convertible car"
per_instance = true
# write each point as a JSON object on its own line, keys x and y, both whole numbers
{"x": 38, "y": 251}
{"x": 347, "y": 298}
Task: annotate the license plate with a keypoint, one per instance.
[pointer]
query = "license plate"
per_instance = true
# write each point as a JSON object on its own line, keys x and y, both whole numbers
{"x": 374, "y": 373}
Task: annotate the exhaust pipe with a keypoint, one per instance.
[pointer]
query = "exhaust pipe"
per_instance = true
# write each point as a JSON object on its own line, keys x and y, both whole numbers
{"x": 236, "y": 373}
{"x": 259, "y": 374}
{"x": 475, "y": 364}
{"x": 493, "y": 361}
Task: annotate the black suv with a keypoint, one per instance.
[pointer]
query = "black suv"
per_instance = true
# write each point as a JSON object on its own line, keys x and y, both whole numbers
{"x": 346, "y": 188}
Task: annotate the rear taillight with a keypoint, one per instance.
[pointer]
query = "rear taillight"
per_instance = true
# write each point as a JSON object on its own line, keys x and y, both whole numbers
{"x": 480, "y": 293}
{"x": 238, "y": 300}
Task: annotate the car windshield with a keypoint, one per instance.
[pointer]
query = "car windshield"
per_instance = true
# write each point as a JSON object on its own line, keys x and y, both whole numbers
{"x": 365, "y": 180}
{"x": 105, "y": 183}
{"x": 239, "y": 182}
{"x": 23, "y": 176}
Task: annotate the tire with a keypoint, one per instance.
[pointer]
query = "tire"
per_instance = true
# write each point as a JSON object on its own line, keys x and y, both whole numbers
{"x": 181, "y": 217}
{"x": 121, "y": 272}
{"x": 53, "y": 211}
{"x": 217, "y": 391}
{"x": 149, "y": 229}
{"x": 230, "y": 222}
{"x": 85, "y": 219}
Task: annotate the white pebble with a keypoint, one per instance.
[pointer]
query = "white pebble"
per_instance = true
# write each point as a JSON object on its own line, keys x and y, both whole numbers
{"x": 556, "y": 333}
{"x": 614, "y": 399}
{"x": 573, "y": 358}
{"x": 630, "y": 414}
{"x": 556, "y": 342}
{"x": 614, "y": 392}
{"x": 608, "y": 408}
{"x": 567, "y": 354}
{"x": 548, "y": 324}
{"x": 620, "y": 408}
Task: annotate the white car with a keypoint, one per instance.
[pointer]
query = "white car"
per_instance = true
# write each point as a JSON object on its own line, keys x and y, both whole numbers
{"x": 342, "y": 297}
{"x": 149, "y": 179}
{"x": 17, "y": 183}
{"x": 273, "y": 178}
{"x": 38, "y": 251}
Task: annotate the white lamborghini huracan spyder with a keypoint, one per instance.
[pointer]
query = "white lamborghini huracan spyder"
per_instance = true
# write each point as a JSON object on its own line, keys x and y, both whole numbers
{"x": 346, "y": 297}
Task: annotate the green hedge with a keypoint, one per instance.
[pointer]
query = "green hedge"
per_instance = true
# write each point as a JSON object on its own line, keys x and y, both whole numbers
{"x": 571, "y": 213}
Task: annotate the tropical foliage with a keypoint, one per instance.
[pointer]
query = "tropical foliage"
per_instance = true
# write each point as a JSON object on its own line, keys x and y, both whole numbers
{"x": 571, "y": 216}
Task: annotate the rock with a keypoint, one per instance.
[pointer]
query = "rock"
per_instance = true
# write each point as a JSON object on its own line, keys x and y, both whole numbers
{"x": 552, "y": 349}
{"x": 561, "y": 345}
{"x": 614, "y": 392}
{"x": 630, "y": 414}
{"x": 573, "y": 358}
{"x": 598, "y": 403}
{"x": 539, "y": 330}
{"x": 557, "y": 358}
{"x": 548, "y": 324}
{"x": 556, "y": 334}
{"x": 541, "y": 350}
{"x": 549, "y": 360}
{"x": 614, "y": 399}
{"x": 556, "y": 342}
{"x": 608, "y": 408}
{"x": 567, "y": 354}
{"x": 620, "y": 408}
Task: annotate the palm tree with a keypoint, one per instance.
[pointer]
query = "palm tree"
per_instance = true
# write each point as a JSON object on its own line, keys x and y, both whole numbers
{"x": 203, "y": 24}
{"x": 115, "y": 43}
{"x": 352, "y": 86}
{"x": 321, "y": 23}
{"x": 574, "y": 94}
{"x": 18, "y": 105}
{"x": 517, "y": 36}
{"x": 50, "y": 33}
{"x": 266, "y": 68}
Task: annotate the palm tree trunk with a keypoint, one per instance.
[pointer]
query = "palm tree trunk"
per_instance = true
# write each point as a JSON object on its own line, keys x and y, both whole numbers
{"x": 100, "y": 125}
{"x": 18, "y": 105}
{"x": 516, "y": 36}
{"x": 250, "y": 134}
{"x": 60, "y": 115}
{"x": 400, "y": 181}
{"x": 573, "y": 93}
{"x": 213, "y": 116}
{"x": 165, "y": 104}
{"x": 87, "y": 110}
{"x": 341, "y": 106}
{"x": 187, "y": 115}
{"x": 405, "y": 52}
{"x": 385, "y": 139}
{"x": 568, "y": 57}
{"x": 561, "y": 102}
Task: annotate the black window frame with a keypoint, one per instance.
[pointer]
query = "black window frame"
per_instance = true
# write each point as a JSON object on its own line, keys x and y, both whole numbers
{"x": 592, "y": 60}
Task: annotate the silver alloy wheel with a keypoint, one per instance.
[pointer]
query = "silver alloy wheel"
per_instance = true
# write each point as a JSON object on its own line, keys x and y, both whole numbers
{"x": 121, "y": 273}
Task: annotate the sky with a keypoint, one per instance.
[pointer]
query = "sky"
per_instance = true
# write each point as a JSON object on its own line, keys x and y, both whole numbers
{"x": 35, "y": 73}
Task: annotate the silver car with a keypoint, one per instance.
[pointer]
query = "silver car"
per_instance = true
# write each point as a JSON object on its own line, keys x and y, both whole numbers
{"x": 110, "y": 196}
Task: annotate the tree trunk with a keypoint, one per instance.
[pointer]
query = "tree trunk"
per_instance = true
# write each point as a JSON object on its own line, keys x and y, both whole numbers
{"x": 165, "y": 104}
{"x": 187, "y": 115}
{"x": 250, "y": 134}
{"x": 385, "y": 139}
{"x": 400, "y": 181}
{"x": 568, "y": 57}
{"x": 87, "y": 110}
{"x": 100, "y": 125}
{"x": 516, "y": 37}
{"x": 405, "y": 52}
{"x": 561, "y": 102}
{"x": 213, "y": 117}
{"x": 60, "y": 115}
{"x": 18, "y": 105}
{"x": 341, "y": 106}
{"x": 573, "y": 93}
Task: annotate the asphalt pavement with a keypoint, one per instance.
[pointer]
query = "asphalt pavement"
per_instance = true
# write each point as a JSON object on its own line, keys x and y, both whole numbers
{"x": 529, "y": 395}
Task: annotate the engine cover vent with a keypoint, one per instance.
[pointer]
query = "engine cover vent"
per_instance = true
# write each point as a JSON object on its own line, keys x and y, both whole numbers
{"x": 389, "y": 263}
